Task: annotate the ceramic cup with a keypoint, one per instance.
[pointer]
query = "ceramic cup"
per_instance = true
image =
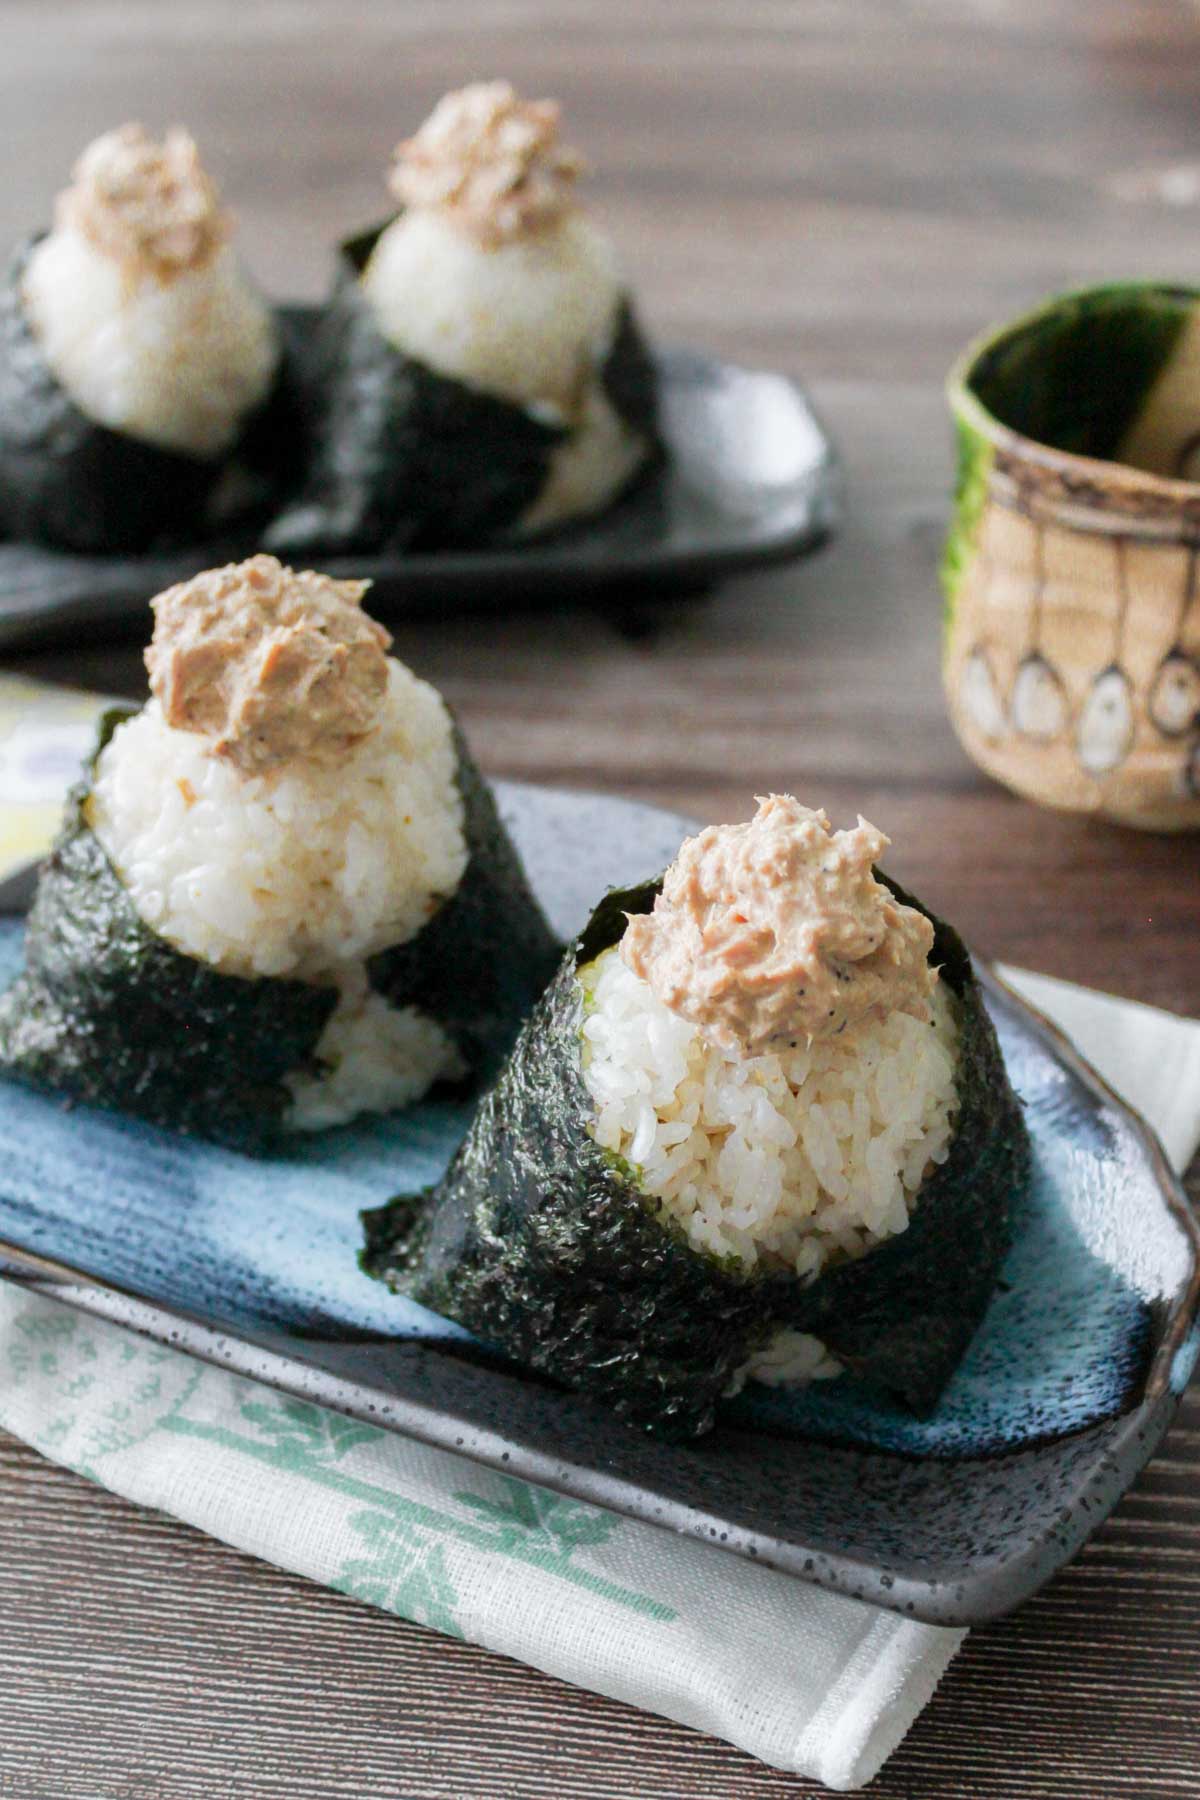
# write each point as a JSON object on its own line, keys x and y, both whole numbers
{"x": 1072, "y": 627}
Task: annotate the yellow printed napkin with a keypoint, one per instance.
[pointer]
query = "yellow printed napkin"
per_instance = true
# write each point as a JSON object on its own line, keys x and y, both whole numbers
{"x": 45, "y": 734}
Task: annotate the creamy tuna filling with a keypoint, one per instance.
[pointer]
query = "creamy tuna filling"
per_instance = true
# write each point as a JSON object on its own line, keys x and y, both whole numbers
{"x": 147, "y": 205}
{"x": 489, "y": 162}
{"x": 775, "y": 931}
{"x": 269, "y": 666}
{"x": 794, "y": 1159}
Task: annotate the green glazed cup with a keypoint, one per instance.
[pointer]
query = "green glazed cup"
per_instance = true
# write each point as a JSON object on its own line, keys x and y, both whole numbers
{"x": 1071, "y": 649}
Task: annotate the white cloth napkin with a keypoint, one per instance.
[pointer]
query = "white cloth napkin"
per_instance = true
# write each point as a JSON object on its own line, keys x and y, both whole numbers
{"x": 811, "y": 1682}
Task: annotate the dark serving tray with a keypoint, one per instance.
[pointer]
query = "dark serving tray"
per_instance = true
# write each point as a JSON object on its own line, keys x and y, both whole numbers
{"x": 750, "y": 479}
{"x": 1064, "y": 1395}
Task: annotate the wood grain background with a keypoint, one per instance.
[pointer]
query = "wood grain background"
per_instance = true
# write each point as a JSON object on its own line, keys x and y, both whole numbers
{"x": 846, "y": 189}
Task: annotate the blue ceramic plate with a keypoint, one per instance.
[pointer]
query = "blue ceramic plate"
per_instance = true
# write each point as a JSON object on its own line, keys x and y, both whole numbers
{"x": 750, "y": 480}
{"x": 1062, "y": 1398}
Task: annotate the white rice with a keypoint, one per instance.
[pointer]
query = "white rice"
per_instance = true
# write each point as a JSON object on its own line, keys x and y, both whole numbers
{"x": 531, "y": 320}
{"x": 299, "y": 872}
{"x": 376, "y": 1059}
{"x": 589, "y": 469}
{"x": 790, "y": 1160}
{"x": 305, "y": 873}
{"x": 177, "y": 363}
{"x": 526, "y": 319}
{"x": 788, "y": 1359}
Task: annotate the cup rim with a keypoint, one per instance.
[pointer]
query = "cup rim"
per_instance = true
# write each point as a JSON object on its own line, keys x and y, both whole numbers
{"x": 1111, "y": 472}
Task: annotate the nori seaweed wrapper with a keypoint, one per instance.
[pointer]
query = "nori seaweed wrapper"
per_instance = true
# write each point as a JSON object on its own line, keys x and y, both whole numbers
{"x": 406, "y": 458}
{"x": 487, "y": 953}
{"x": 69, "y": 482}
{"x": 109, "y": 1013}
{"x": 538, "y": 1240}
{"x": 630, "y": 379}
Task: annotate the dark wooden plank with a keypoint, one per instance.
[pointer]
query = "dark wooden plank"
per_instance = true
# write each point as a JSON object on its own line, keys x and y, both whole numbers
{"x": 846, "y": 191}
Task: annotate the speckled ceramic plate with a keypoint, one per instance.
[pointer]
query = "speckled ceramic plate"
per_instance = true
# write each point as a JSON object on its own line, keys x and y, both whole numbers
{"x": 1065, "y": 1393}
{"x": 750, "y": 480}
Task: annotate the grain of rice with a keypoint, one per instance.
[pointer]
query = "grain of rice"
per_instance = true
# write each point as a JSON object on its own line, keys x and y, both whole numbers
{"x": 795, "y": 1159}
{"x": 303, "y": 872}
{"x": 178, "y": 364}
{"x": 298, "y": 872}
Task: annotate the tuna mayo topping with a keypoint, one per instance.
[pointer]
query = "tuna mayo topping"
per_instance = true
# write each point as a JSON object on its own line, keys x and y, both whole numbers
{"x": 777, "y": 931}
{"x": 490, "y": 162}
{"x": 149, "y": 206}
{"x": 269, "y": 665}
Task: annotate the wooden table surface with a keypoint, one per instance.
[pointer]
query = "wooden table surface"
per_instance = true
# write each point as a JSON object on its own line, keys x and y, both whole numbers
{"x": 839, "y": 188}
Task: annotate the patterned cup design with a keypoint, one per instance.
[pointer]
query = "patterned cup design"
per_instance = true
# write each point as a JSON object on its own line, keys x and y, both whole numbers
{"x": 1175, "y": 694}
{"x": 1072, "y": 641}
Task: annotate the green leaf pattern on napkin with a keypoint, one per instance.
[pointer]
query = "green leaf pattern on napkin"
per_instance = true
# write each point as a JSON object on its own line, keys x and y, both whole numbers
{"x": 403, "y": 1570}
{"x": 99, "y": 1391}
{"x": 95, "y": 1392}
{"x": 527, "y": 1516}
{"x": 313, "y": 1434}
{"x": 520, "y": 1522}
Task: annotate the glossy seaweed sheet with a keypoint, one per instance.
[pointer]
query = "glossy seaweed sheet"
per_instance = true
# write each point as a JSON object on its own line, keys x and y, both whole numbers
{"x": 537, "y": 1239}
{"x": 406, "y": 458}
{"x": 488, "y": 953}
{"x": 109, "y": 1013}
{"x": 68, "y": 482}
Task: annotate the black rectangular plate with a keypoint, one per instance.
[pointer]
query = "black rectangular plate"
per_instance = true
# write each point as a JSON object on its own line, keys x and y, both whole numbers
{"x": 750, "y": 479}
